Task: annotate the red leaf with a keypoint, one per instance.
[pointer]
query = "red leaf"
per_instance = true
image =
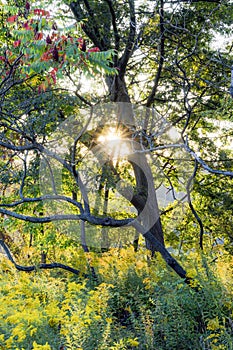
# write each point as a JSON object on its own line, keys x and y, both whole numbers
{"x": 2, "y": 58}
{"x": 27, "y": 6}
{"x": 94, "y": 49}
{"x": 26, "y": 26}
{"x": 55, "y": 54}
{"x": 46, "y": 56}
{"x": 48, "y": 40}
{"x": 53, "y": 75}
{"x": 41, "y": 12}
{"x": 17, "y": 43}
{"x": 12, "y": 19}
{"x": 39, "y": 36}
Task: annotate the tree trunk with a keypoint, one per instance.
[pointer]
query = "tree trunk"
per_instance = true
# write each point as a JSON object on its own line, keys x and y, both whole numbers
{"x": 145, "y": 199}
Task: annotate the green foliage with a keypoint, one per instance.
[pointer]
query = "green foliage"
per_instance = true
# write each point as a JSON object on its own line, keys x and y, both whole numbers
{"x": 34, "y": 43}
{"x": 134, "y": 305}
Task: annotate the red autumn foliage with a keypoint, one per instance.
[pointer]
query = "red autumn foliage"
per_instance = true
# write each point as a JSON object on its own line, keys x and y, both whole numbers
{"x": 55, "y": 46}
{"x": 41, "y": 12}
{"x": 39, "y": 36}
{"x": 46, "y": 56}
{"x": 12, "y": 19}
{"x": 94, "y": 49}
{"x": 48, "y": 40}
{"x": 26, "y": 26}
{"x": 27, "y": 6}
{"x": 17, "y": 43}
{"x": 55, "y": 54}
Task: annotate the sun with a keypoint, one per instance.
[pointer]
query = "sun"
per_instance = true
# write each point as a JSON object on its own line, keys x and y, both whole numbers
{"x": 112, "y": 134}
{"x": 114, "y": 143}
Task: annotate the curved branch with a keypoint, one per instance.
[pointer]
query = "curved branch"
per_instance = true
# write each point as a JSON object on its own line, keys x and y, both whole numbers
{"x": 17, "y": 148}
{"x": 91, "y": 27}
{"x": 39, "y": 147}
{"x": 43, "y": 198}
{"x": 204, "y": 165}
{"x": 54, "y": 265}
{"x": 93, "y": 220}
{"x": 172, "y": 262}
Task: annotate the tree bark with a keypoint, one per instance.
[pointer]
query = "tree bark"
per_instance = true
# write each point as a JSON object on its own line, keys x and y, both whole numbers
{"x": 144, "y": 200}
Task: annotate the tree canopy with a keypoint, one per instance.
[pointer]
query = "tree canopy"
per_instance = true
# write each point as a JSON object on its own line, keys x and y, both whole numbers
{"x": 116, "y": 121}
{"x": 161, "y": 55}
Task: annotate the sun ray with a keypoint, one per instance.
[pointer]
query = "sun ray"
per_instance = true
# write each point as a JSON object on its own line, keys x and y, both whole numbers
{"x": 115, "y": 144}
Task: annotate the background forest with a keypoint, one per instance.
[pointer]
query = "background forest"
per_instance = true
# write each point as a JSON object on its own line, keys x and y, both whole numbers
{"x": 116, "y": 168}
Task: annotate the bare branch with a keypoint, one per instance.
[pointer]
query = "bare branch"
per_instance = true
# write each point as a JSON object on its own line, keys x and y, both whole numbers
{"x": 106, "y": 221}
{"x": 43, "y": 198}
{"x": 23, "y": 176}
{"x": 17, "y": 148}
{"x": 54, "y": 265}
{"x": 114, "y": 25}
{"x": 162, "y": 250}
{"x": 204, "y": 165}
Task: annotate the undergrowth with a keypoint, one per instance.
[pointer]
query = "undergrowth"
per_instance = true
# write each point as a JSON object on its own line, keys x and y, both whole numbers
{"x": 136, "y": 304}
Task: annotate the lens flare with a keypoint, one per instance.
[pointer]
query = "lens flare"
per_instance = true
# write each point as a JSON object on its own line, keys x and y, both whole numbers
{"x": 114, "y": 143}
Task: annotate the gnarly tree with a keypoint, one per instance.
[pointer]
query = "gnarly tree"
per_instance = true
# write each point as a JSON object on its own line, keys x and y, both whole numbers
{"x": 166, "y": 42}
{"x": 169, "y": 39}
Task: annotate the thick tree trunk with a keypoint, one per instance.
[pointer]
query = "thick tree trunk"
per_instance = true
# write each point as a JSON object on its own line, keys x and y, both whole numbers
{"x": 145, "y": 199}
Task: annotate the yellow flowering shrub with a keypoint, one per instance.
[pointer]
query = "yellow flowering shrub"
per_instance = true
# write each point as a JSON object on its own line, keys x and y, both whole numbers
{"x": 135, "y": 304}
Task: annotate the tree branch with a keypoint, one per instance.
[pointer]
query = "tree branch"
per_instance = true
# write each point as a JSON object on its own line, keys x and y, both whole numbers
{"x": 114, "y": 25}
{"x": 197, "y": 217}
{"x": 130, "y": 41}
{"x": 106, "y": 221}
{"x": 54, "y": 265}
{"x": 43, "y": 198}
{"x": 204, "y": 165}
{"x": 172, "y": 262}
{"x": 150, "y": 99}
